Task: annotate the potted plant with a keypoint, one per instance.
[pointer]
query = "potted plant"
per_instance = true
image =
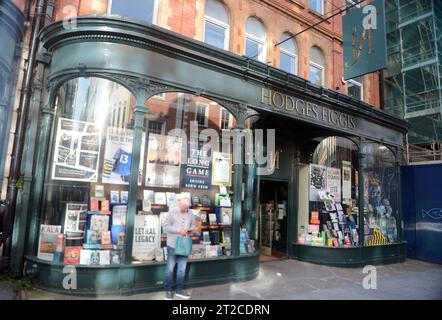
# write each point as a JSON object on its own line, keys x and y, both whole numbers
{"x": 21, "y": 288}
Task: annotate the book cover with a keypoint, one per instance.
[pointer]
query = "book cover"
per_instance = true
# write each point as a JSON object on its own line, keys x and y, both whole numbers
{"x": 93, "y": 237}
{"x": 104, "y": 205}
{"x": 85, "y": 257}
{"x": 314, "y": 217}
{"x": 114, "y": 196}
{"x": 115, "y": 257}
{"x": 72, "y": 255}
{"x": 148, "y": 195}
{"x": 313, "y": 228}
{"x": 104, "y": 257}
{"x": 124, "y": 196}
{"x": 335, "y": 242}
{"x": 212, "y": 219}
{"x": 226, "y": 216}
{"x": 106, "y": 237}
{"x": 99, "y": 222}
{"x": 159, "y": 254}
{"x": 171, "y": 199}
{"x": 95, "y": 257}
{"x": 91, "y": 246}
{"x": 116, "y": 233}
{"x": 203, "y": 216}
{"x": 99, "y": 191}
{"x": 95, "y": 205}
{"x": 206, "y": 237}
{"x": 119, "y": 215}
{"x": 160, "y": 198}
{"x": 48, "y": 241}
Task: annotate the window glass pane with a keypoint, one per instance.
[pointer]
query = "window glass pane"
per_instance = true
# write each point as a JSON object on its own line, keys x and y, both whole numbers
{"x": 316, "y": 75}
{"x": 255, "y": 28}
{"x": 86, "y": 188}
{"x": 225, "y": 117}
{"x": 136, "y": 9}
{"x": 254, "y": 49}
{"x": 380, "y": 196}
{"x": 216, "y": 10}
{"x": 316, "y": 56}
{"x": 289, "y": 45}
{"x": 214, "y": 35}
{"x": 287, "y": 63}
{"x": 328, "y": 210}
{"x": 354, "y": 90}
{"x": 317, "y": 5}
{"x": 174, "y": 167}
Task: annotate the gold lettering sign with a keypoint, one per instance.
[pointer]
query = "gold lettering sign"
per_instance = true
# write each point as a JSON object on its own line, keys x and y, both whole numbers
{"x": 282, "y": 102}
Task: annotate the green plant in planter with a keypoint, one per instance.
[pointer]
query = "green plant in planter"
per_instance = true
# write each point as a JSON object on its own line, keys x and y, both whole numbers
{"x": 20, "y": 184}
{"x": 21, "y": 288}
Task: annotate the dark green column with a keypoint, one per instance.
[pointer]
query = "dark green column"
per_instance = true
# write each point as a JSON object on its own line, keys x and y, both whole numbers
{"x": 24, "y": 197}
{"x": 238, "y": 181}
{"x": 361, "y": 170}
{"x": 400, "y": 235}
{"x": 47, "y": 120}
{"x": 139, "y": 112}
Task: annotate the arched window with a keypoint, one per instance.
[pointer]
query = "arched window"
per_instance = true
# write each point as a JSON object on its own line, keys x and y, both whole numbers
{"x": 317, "y": 66}
{"x": 288, "y": 57}
{"x": 255, "y": 40}
{"x": 216, "y": 24}
{"x": 317, "y": 5}
{"x": 145, "y": 10}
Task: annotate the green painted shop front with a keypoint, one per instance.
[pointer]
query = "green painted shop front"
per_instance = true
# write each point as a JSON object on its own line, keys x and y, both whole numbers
{"x": 149, "y": 61}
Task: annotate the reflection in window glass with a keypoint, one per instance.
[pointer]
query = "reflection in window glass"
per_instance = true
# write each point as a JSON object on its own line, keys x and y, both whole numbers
{"x": 89, "y": 170}
{"x": 355, "y": 88}
{"x": 136, "y": 9}
{"x": 380, "y": 196}
{"x": 328, "y": 209}
{"x": 288, "y": 57}
{"x": 215, "y": 35}
{"x": 317, "y": 5}
{"x": 316, "y": 75}
{"x": 216, "y": 27}
{"x": 255, "y": 40}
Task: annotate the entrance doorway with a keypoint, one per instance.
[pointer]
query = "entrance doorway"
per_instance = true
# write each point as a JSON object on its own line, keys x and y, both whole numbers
{"x": 273, "y": 219}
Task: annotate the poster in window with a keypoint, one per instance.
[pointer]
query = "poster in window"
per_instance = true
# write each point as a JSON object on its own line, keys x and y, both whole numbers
{"x": 163, "y": 161}
{"x": 75, "y": 220}
{"x": 222, "y": 172}
{"x": 197, "y": 172}
{"x": 318, "y": 181}
{"x": 346, "y": 180}
{"x": 146, "y": 237}
{"x": 48, "y": 241}
{"x": 118, "y": 156}
{"x": 77, "y": 151}
{"x": 334, "y": 183}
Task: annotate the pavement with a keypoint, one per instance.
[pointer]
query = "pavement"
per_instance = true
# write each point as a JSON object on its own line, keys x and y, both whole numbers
{"x": 296, "y": 280}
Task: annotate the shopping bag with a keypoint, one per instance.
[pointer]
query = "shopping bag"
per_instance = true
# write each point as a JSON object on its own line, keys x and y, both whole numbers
{"x": 183, "y": 246}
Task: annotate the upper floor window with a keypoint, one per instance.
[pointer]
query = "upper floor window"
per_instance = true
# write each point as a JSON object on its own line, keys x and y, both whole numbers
{"x": 317, "y": 5}
{"x": 202, "y": 114}
{"x": 225, "y": 119}
{"x": 288, "y": 57}
{"x": 317, "y": 66}
{"x": 216, "y": 24}
{"x": 145, "y": 10}
{"x": 355, "y": 88}
{"x": 255, "y": 40}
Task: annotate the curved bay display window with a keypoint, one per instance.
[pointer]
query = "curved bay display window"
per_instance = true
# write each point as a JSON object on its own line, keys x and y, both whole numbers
{"x": 186, "y": 150}
{"x": 328, "y": 208}
{"x": 380, "y": 195}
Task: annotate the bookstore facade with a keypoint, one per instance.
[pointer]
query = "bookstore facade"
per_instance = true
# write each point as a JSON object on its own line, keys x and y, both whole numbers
{"x": 124, "y": 134}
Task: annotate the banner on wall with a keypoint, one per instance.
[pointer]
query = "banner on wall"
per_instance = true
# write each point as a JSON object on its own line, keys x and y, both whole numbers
{"x": 222, "y": 172}
{"x": 334, "y": 183}
{"x": 77, "y": 151}
{"x": 163, "y": 161}
{"x": 118, "y": 156}
{"x": 146, "y": 237}
{"x": 346, "y": 180}
{"x": 318, "y": 181}
{"x": 197, "y": 172}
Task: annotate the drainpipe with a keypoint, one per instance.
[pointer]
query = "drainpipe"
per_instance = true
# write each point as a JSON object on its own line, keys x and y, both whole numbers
{"x": 8, "y": 219}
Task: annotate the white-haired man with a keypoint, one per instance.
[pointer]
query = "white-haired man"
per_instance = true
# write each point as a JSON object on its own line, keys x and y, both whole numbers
{"x": 179, "y": 221}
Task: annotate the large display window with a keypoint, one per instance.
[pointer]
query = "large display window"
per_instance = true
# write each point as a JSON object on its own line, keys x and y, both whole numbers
{"x": 328, "y": 197}
{"x": 186, "y": 150}
{"x": 380, "y": 195}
